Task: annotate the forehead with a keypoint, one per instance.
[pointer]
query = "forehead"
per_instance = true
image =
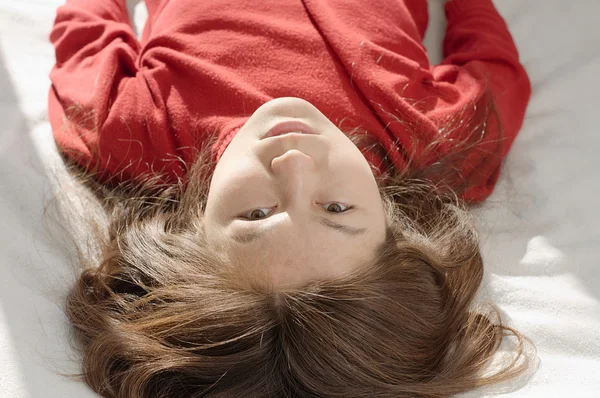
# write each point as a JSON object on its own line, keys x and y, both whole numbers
{"x": 290, "y": 259}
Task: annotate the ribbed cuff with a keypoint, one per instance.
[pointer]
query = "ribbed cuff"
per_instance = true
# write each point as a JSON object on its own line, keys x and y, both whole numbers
{"x": 456, "y": 8}
{"x": 111, "y": 10}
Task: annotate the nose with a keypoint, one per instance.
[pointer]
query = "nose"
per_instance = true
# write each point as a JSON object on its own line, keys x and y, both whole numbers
{"x": 296, "y": 172}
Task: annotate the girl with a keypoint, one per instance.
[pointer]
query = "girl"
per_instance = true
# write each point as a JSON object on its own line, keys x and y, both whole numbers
{"x": 283, "y": 189}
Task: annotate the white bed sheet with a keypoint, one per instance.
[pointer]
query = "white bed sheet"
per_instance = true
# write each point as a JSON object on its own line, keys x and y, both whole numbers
{"x": 540, "y": 229}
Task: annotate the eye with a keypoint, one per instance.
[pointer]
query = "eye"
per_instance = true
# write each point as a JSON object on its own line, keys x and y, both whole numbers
{"x": 336, "y": 208}
{"x": 257, "y": 214}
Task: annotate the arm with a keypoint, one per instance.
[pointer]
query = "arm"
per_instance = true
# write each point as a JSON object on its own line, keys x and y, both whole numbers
{"x": 480, "y": 62}
{"x": 105, "y": 111}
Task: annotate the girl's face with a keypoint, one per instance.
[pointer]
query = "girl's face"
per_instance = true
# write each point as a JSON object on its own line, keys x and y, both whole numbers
{"x": 300, "y": 206}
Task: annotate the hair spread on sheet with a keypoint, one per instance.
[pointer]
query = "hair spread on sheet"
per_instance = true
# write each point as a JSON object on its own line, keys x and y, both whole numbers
{"x": 158, "y": 314}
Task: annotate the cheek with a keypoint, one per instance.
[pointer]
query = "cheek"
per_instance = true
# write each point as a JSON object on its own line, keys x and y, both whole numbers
{"x": 237, "y": 187}
{"x": 352, "y": 171}
{"x": 230, "y": 173}
{"x": 354, "y": 179}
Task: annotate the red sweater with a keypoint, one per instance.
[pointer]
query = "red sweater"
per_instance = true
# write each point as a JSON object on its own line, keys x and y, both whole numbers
{"x": 129, "y": 107}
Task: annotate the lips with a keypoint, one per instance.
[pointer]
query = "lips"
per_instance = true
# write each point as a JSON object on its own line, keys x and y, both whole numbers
{"x": 289, "y": 127}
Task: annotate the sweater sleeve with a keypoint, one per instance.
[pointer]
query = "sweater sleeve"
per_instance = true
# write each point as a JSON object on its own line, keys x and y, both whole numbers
{"x": 105, "y": 107}
{"x": 480, "y": 63}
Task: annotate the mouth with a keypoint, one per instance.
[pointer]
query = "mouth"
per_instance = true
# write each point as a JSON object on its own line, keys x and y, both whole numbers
{"x": 288, "y": 128}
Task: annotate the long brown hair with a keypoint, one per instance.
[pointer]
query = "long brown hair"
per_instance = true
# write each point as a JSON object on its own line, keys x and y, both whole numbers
{"x": 157, "y": 313}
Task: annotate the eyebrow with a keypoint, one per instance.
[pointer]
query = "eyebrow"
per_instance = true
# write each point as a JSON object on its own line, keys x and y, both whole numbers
{"x": 260, "y": 232}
